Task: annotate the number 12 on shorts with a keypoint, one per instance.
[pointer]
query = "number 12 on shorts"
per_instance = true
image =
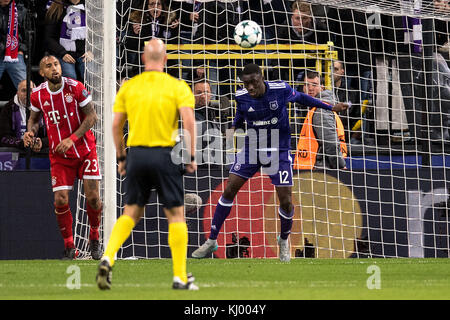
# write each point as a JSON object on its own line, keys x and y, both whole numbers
{"x": 284, "y": 177}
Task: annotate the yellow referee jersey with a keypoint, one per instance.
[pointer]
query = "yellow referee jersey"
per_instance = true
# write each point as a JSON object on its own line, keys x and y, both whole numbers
{"x": 151, "y": 101}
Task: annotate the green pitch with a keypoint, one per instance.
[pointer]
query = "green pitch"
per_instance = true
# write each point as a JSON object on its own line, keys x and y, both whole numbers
{"x": 244, "y": 279}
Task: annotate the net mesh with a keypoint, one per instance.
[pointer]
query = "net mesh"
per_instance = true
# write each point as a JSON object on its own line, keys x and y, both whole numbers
{"x": 388, "y": 58}
{"x": 94, "y": 84}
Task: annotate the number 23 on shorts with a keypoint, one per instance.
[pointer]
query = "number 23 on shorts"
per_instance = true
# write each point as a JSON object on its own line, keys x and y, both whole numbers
{"x": 90, "y": 167}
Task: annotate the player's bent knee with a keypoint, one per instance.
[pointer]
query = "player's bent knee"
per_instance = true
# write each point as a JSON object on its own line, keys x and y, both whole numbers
{"x": 231, "y": 191}
{"x": 229, "y": 194}
{"x": 286, "y": 206}
{"x": 61, "y": 198}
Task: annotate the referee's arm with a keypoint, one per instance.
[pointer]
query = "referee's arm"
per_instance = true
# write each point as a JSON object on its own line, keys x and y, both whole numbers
{"x": 188, "y": 118}
{"x": 117, "y": 128}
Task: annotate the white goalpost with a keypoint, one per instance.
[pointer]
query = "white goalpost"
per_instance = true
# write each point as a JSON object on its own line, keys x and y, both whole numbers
{"x": 391, "y": 199}
{"x": 101, "y": 83}
{"x": 109, "y": 93}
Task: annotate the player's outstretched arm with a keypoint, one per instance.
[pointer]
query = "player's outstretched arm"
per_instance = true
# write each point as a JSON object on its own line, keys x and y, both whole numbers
{"x": 117, "y": 129}
{"x": 188, "y": 118}
{"x": 340, "y": 106}
{"x": 309, "y": 101}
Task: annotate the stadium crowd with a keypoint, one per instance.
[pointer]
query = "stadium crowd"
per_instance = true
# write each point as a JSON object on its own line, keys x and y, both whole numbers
{"x": 379, "y": 68}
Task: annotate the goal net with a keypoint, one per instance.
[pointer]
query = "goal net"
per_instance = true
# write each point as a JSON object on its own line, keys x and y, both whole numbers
{"x": 390, "y": 59}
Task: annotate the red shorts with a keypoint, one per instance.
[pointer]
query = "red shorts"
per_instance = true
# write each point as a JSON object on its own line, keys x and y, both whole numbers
{"x": 64, "y": 171}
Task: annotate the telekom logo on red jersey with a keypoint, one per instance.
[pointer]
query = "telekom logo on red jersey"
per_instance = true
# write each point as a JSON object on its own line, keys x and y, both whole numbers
{"x": 53, "y": 116}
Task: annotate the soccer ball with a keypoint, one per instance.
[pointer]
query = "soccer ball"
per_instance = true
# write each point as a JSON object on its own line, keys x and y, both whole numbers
{"x": 247, "y": 34}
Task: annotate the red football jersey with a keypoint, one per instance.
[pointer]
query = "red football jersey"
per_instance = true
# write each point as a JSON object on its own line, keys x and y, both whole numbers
{"x": 63, "y": 115}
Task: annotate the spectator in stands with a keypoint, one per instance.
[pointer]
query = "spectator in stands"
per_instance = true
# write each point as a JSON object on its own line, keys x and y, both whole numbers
{"x": 300, "y": 28}
{"x": 350, "y": 31}
{"x": 198, "y": 71}
{"x": 442, "y": 28}
{"x": 347, "y": 94}
{"x": 216, "y": 23}
{"x": 11, "y": 52}
{"x": 397, "y": 45}
{"x": 440, "y": 115}
{"x": 218, "y": 20}
{"x": 152, "y": 19}
{"x": 208, "y": 129}
{"x": 268, "y": 14}
{"x": 40, "y": 8}
{"x": 442, "y": 6}
{"x": 189, "y": 12}
{"x": 440, "y": 102}
{"x": 215, "y": 111}
{"x": 65, "y": 36}
{"x": 322, "y": 139}
{"x": 13, "y": 122}
{"x": 124, "y": 57}
{"x": 202, "y": 93}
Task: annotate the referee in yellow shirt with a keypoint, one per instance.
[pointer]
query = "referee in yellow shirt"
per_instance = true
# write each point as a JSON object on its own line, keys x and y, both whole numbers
{"x": 152, "y": 102}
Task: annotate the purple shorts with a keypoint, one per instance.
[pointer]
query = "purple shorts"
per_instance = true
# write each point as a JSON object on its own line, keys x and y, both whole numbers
{"x": 279, "y": 169}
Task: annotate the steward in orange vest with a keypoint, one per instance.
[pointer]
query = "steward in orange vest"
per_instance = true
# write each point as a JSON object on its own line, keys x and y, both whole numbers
{"x": 308, "y": 146}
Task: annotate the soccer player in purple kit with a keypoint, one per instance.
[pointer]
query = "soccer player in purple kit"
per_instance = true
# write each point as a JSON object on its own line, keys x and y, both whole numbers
{"x": 263, "y": 106}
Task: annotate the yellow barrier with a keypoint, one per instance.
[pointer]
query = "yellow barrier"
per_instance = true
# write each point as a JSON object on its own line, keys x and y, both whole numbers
{"x": 320, "y": 53}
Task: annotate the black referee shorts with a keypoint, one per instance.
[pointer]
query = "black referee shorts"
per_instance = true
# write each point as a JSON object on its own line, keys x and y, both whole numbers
{"x": 152, "y": 168}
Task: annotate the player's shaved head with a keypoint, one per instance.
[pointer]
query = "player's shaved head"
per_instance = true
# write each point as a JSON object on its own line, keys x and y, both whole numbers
{"x": 253, "y": 80}
{"x": 50, "y": 69}
{"x": 251, "y": 69}
{"x": 155, "y": 52}
{"x": 44, "y": 61}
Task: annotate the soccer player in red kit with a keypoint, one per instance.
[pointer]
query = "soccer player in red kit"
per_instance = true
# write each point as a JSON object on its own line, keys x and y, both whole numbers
{"x": 69, "y": 115}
